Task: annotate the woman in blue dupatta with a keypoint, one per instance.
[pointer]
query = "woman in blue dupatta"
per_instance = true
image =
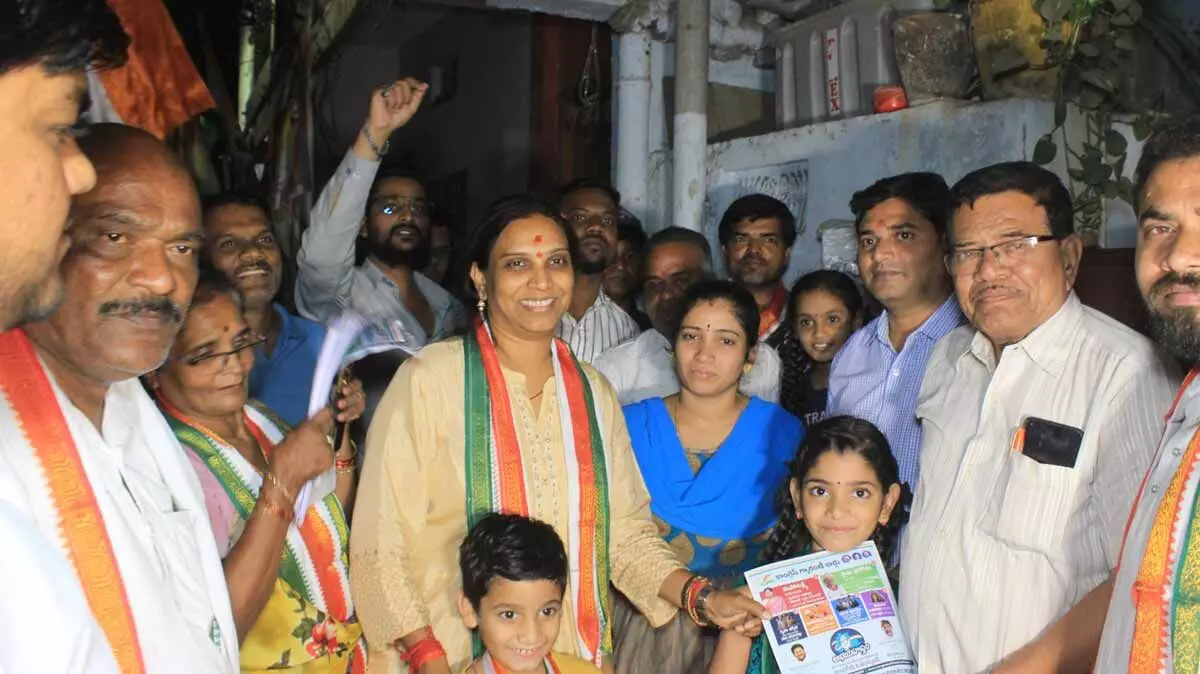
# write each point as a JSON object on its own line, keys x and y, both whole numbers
{"x": 712, "y": 460}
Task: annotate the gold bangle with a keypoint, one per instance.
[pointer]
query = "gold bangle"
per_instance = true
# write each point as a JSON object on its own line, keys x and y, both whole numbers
{"x": 279, "y": 485}
{"x": 347, "y": 470}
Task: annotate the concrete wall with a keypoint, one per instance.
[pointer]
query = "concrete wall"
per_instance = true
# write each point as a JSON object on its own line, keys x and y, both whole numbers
{"x": 842, "y": 157}
{"x": 483, "y": 129}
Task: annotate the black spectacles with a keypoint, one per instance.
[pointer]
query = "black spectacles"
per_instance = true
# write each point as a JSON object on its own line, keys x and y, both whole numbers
{"x": 215, "y": 362}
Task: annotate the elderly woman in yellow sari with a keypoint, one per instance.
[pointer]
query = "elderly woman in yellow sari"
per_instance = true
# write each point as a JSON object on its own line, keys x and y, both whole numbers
{"x": 506, "y": 419}
{"x": 288, "y": 578}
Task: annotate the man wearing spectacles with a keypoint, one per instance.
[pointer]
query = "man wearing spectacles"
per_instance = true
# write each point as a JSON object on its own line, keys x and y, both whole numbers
{"x": 1038, "y": 421}
{"x": 594, "y": 323}
{"x": 382, "y": 215}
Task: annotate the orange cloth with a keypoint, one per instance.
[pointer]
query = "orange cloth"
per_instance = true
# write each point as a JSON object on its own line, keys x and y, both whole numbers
{"x": 158, "y": 89}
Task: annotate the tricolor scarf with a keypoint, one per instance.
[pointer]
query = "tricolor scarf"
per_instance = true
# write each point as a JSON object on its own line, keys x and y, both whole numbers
{"x": 1166, "y": 591}
{"x": 771, "y": 316}
{"x": 496, "y": 476}
{"x": 315, "y": 560}
{"x": 83, "y": 535}
{"x": 490, "y": 666}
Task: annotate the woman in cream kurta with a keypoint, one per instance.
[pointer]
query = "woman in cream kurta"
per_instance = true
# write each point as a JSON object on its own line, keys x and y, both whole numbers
{"x": 412, "y": 504}
{"x": 412, "y": 511}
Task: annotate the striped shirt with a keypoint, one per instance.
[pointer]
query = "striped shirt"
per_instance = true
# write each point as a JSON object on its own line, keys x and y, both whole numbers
{"x": 1183, "y": 425}
{"x": 1001, "y": 545}
{"x": 328, "y": 282}
{"x": 603, "y": 326}
{"x": 870, "y": 380}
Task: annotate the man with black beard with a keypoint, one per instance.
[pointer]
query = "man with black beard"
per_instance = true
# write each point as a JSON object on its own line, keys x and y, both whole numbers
{"x": 676, "y": 258}
{"x": 757, "y": 233}
{"x": 1154, "y": 598}
{"x": 594, "y": 323}
{"x": 387, "y": 212}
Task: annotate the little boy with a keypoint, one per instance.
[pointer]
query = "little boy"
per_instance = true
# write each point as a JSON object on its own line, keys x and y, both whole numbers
{"x": 514, "y": 573}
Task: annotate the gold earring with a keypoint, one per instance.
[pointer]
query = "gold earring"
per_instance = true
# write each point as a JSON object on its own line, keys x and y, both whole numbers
{"x": 747, "y": 367}
{"x": 481, "y": 304}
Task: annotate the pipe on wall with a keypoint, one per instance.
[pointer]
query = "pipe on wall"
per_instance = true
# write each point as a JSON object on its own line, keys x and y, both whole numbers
{"x": 632, "y": 165}
{"x": 691, "y": 118}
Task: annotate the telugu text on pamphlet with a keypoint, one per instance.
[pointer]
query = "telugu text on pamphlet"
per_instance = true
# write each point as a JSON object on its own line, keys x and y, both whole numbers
{"x": 832, "y": 613}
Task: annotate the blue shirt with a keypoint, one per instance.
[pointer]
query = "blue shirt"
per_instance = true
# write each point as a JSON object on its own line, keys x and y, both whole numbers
{"x": 283, "y": 380}
{"x": 869, "y": 380}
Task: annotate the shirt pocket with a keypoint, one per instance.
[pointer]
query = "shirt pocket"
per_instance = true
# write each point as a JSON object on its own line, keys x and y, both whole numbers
{"x": 1032, "y": 505}
{"x": 177, "y": 543}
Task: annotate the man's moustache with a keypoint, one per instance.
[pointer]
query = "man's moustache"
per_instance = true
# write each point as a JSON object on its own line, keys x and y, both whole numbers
{"x": 1164, "y": 284}
{"x": 263, "y": 266}
{"x": 160, "y": 306}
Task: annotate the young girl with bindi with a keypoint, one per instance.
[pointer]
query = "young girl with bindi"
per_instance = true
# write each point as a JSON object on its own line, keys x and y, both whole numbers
{"x": 843, "y": 490}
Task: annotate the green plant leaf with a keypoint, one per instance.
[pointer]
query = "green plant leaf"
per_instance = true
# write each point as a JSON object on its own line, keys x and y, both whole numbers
{"x": 1095, "y": 172}
{"x": 1060, "y": 112}
{"x": 1120, "y": 5}
{"x": 1090, "y": 98}
{"x": 1045, "y": 151}
{"x": 1088, "y": 49}
{"x": 1129, "y": 17}
{"x": 1075, "y": 174}
{"x": 1141, "y": 128}
{"x": 1054, "y": 11}
{"x": 1110, "y": 190}
{"x": 1125, "y": 187}
{"x": 1125, "y": 42}
{"x": 1114, "y": 143}
{"x": 1098, "y": 78}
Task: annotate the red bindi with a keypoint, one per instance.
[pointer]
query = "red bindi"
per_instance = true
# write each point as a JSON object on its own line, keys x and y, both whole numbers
{"x": 539, "y": 255}
{"x": 537, "y": 239}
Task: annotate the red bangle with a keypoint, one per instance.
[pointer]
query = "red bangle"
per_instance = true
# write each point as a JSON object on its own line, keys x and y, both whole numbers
{"x": 423, "y": 652}
{"x": 341, "y": 464}
{"x": 692, "y": 606}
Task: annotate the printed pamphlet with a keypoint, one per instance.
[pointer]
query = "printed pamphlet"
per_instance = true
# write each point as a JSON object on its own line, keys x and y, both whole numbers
{"x": 832, "y": 613}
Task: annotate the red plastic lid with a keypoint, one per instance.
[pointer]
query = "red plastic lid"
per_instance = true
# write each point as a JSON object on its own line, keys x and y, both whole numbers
{"x": 890, "y": 98}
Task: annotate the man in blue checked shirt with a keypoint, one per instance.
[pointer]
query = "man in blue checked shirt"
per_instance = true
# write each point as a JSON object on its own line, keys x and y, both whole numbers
{"x": 901, "y": 250}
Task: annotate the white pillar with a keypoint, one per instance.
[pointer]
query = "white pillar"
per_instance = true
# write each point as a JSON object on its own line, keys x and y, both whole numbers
{"x": 633, "y": 121}
{"x": 691, "y": 118}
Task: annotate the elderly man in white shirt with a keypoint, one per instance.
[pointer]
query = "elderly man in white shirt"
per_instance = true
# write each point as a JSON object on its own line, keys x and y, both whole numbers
{"x": 675, "y": 258}
{"x": 1152, "y": 623}
{"x": 1038, "y": 420}
{"x": 387, "y": 212}
{"x": 87, "y": 457}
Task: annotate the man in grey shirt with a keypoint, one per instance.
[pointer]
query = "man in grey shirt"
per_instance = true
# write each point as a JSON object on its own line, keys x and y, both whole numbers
{"x": 385, "y": 211}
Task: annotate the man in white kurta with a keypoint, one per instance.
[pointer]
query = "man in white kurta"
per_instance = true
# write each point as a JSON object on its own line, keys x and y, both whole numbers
{"x": 1168, "y": 269}
{"x": 48, "y": 628}
{"x": 154, "y": 517}
{"x": 129, "y": 276}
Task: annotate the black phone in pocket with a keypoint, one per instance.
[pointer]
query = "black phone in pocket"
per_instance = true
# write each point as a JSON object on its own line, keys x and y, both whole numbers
{"x": 1050, "y": 442}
